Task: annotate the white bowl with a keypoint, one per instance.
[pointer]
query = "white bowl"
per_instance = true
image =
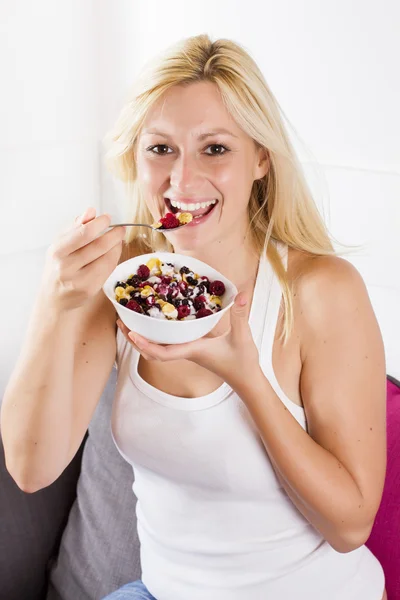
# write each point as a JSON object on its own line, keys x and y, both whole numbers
{"x": 164, "y": 331}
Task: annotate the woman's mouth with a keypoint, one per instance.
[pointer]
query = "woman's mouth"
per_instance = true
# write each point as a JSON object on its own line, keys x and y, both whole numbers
{"x": 196, "y": 208}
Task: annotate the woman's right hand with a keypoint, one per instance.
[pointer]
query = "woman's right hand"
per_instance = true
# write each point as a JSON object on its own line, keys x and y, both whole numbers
{"x": 80, "y": 260}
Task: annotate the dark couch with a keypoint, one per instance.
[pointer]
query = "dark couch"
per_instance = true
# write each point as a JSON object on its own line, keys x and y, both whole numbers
{"x": 85, "y": 543}
{"x": 99, "y": 549}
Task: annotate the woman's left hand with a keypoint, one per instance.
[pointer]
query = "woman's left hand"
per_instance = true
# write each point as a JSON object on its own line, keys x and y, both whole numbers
{"x": 229, "y": 355}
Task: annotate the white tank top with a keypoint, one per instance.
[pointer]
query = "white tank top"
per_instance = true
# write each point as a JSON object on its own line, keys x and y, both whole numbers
{"x": 214, "y": 522}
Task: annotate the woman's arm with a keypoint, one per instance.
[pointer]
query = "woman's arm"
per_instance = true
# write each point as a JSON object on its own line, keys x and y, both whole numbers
{"x": 334, "y": 474}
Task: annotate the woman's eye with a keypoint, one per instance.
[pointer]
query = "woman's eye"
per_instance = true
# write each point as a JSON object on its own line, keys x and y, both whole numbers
{"x": 159, "y": 149}
{"x": 217, "y": 150}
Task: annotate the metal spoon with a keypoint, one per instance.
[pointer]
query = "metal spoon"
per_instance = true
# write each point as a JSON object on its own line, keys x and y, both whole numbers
{"x": 159, "y": 229}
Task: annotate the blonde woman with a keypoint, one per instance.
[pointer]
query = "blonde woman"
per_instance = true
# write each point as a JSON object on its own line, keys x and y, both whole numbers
{"x": 259, "y": 451}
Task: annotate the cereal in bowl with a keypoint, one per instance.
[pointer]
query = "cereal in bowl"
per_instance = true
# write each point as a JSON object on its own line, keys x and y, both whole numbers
{"x": 162, "y": 291}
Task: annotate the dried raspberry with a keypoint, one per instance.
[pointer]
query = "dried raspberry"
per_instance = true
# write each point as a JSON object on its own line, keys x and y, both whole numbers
{"x": 217, "y": 288}
{"x": 169, "y": 221}
{"x": 203, "y": 312}
{"x": 143, "y": 272}
{"x": 166, "y": 280}
{"x": 182, "y": 285}
{"x": 198, "y": 304}
{"x": 183, "y": 288}
{"x": 133, "y": 305}
{"x": 183, "y": 311}
{"x": 150, "y": 300}
{"x": 162, "y": 290}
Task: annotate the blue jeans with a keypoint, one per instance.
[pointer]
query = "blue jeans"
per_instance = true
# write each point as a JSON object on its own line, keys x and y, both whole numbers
{"x": 131, "y": 591}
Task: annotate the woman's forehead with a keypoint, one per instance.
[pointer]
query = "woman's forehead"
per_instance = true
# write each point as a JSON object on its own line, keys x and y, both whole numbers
{"x": 196, "y": 108}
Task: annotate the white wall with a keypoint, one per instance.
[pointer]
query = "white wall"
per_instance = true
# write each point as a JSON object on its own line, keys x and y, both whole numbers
{"x": 68, "y": 66}
{"x": 49, "y": 148}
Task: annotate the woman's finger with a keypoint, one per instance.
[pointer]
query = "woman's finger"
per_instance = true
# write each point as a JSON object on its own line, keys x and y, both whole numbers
{"x": 168, "y": 352}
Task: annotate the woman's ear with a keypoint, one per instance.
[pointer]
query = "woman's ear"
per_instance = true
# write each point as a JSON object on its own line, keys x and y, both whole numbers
{"x": 262, "y": 164}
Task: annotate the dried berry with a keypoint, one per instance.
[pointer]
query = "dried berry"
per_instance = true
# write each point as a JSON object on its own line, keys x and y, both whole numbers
{"x": 120, "y": 284}
{"x": 201, "y": 288}
{"x": 124, "y": 301}
{"x": 133, "y": 305}
{"x": 183, "y": 311}
{"x": 184, "y": 270}
{"x": 162, "y": 290}
{"x": 169, "y": 221}
{"x": 203, "y": 312}
{"x": 191, "y": 280}
{"x": 173, "y": 293}
{"x": 150, "y": 300}
{"x": 198, "y": 304}
{"x": 217, "y": 288}
{"x": 143, "y": 272}
{"x": 133, "y": 281}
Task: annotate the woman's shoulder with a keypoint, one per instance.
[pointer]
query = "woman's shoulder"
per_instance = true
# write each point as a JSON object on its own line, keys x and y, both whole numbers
{"x": 326, "y": 289}
{"x": 312, "y": 275}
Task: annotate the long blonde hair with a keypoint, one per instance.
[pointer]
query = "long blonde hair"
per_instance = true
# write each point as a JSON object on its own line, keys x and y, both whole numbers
{"x": 281, "y": 206}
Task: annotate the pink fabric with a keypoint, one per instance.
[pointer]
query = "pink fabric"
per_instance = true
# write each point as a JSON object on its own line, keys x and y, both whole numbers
{"x": 384, "y": 540}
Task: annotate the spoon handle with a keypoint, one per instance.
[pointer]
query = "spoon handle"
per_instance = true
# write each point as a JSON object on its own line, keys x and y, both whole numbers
{"x": 132, "y": 225}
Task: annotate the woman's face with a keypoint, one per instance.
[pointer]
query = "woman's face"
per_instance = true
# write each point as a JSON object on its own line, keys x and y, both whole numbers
{"x": 193, "y": 157}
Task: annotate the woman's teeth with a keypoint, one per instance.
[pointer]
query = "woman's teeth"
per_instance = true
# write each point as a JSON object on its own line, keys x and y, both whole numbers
{"x": 188, "y": 207}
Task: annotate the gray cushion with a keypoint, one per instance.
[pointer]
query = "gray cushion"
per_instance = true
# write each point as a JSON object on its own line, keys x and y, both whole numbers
{"x": 31, "y": 526}
{"x": 100, "y": 549}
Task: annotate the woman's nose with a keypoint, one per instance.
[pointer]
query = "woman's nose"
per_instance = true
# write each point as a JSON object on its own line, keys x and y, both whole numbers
{"x": 185, "y": 175}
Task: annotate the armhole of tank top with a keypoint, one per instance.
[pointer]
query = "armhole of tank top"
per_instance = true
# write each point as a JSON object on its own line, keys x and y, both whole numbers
{"x": 119, "y": 338}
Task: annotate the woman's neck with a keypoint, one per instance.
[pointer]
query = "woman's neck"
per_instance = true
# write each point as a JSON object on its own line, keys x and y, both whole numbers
{"x": 236, "y": 258}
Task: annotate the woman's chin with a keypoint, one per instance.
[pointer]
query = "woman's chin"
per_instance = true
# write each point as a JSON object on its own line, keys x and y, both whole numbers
{"x": 189, "y": 241}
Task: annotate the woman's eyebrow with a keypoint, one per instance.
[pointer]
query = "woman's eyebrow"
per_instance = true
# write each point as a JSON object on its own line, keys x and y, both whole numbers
{"x": 201, "y": 137}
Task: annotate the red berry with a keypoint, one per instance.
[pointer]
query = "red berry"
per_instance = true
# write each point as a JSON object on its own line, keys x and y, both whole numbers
{"x": 203, "y": 312}
{"x": 165, "y": 280}
{"x": 217, "y": 288}
{"x": 182, "y": 285}
{"x": 143, "y": 272}
{"x": 162, "y": 289}
{"x": 197, "y": 303}
{"x": 183, "y": 311}
{"x": 169, "y": 221}
{"x": 133, "y": 305}
{"x": 150, "y": 300}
